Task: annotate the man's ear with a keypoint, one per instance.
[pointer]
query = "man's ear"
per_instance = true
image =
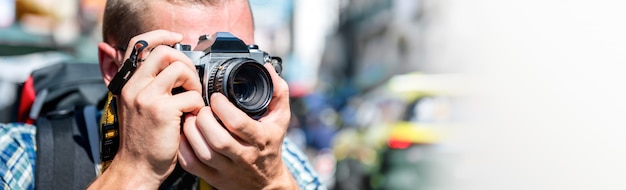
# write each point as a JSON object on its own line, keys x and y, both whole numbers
{"x": 108, "y": 58}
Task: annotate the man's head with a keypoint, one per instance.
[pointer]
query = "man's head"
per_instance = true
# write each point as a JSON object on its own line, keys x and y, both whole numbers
{"x": 124, "y": 19}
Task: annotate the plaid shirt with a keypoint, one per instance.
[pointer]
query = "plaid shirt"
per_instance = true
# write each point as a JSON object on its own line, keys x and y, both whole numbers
{"x": 299, "y": 166}
{"x": 17, "y": 142}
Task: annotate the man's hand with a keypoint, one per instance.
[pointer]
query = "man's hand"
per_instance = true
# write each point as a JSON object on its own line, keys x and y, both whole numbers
{"x": 244, "y": 153}
{"x": 150, "y": 115}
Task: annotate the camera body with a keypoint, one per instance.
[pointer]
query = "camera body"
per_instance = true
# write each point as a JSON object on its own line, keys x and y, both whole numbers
{"x": 227, "y": 65}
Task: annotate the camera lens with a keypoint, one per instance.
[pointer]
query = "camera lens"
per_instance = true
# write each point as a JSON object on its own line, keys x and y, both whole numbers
{"x": 246, "y": 83}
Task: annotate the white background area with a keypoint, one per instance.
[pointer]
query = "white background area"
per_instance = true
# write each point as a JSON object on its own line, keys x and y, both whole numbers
{"x": 547, "y": 105}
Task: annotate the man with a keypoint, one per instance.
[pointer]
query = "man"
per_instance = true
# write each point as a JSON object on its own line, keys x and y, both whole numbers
{"x": 240, "y": 154}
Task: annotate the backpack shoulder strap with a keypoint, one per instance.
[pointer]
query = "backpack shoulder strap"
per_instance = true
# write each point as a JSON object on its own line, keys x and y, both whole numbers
{"x": 44, "y": 175}
{"x": 90, "y": 114}
{"x": 63, "y": 137}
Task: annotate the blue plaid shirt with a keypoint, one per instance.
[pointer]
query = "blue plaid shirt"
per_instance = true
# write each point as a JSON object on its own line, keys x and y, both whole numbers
{"x": 17, "y": 142}
{"x": 299, "y": 166}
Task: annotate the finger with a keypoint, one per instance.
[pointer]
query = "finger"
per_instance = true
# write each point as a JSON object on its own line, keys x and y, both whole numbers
{"x": 154, "y": 38}
{"x": 190, "y": 163}
{"x": 161, "y": 58}
{"x": 279, "y": 111}
{"x": 185, "y": 102}
{"x": 159, "y": 91}
{"x": 175, "y": 75}
{"x": 218, "y": 138}
{"x": 236, "y": 121}
{"x": 200, "y": 146}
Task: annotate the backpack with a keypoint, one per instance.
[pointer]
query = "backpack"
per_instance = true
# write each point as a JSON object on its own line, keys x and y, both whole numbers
{"x": 64, "y": 110}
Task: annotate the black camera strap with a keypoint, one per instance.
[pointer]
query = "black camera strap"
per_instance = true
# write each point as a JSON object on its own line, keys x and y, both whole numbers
{"x": 128, "y": 68}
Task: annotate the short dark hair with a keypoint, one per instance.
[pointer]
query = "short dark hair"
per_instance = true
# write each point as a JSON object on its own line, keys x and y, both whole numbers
{"x": 123, "y": 19}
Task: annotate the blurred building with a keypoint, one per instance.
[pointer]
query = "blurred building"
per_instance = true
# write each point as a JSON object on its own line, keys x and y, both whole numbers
{"x": 36, "y": 33}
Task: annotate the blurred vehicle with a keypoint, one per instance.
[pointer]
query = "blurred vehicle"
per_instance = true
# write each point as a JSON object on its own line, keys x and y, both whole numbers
{"x": 395, "y": 130}
{"x": 405, "y": 162}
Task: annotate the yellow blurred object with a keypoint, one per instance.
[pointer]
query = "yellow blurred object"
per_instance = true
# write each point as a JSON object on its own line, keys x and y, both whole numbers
{"x": 411, "y": 86}
{"x": 24, "y": 7}
{"x": 412, "y": 133}
{"x": 56, "y": 18}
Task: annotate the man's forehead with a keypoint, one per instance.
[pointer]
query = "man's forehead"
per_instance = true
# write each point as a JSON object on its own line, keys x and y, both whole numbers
{"x": 195, "y": 20}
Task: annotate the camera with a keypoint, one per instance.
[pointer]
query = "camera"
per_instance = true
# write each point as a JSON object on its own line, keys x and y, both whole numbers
{"x": 227, "y": 65}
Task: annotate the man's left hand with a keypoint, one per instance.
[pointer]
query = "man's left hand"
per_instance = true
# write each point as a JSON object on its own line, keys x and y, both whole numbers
{"x": 244, "y": 153}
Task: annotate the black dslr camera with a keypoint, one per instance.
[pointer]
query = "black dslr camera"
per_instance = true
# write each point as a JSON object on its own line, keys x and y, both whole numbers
{"x": 227, "y": 65}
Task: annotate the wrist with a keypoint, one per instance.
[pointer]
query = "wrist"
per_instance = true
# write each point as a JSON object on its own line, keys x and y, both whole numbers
{"x": 284, "y": 180}
{"x": 123, "y": 174}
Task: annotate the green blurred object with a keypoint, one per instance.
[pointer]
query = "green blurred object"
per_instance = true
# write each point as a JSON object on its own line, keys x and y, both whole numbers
{"x": 7, "y": 50}
{"x": 14, "y": 41}
{"x": 404, "y": 168}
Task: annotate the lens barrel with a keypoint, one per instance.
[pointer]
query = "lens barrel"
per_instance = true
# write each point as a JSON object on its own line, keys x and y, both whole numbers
{"x": 245, "y": 82}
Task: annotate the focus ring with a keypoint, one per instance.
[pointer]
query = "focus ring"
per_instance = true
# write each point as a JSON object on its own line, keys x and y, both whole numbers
{"x": 219, "y": 77}
{"x": 215, "y": 82}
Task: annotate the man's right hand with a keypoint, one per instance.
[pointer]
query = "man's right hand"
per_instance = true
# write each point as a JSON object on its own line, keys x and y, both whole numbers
{"x": 150, "y": 115}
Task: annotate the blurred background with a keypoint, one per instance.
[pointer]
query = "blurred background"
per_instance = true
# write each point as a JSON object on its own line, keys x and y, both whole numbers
{"x": 412, "y": 94}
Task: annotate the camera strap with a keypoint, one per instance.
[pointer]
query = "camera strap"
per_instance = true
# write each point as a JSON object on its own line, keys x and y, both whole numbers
{"x": 109, "y": 133}
{"x": 128, "y": 68}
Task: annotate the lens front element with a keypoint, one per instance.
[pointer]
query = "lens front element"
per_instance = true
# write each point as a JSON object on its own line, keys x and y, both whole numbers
{"x": 246, "y": 83}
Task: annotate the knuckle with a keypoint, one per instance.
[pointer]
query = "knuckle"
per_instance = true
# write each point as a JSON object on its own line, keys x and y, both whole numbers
{"x": 145, "y": 101}
{"x": 242, "y": 124}
{"x": 125, "y": 96}
{"x": 204, "y": 156}
{"x": 261, "y": 143}
{"x": 178, "y": 68}
{"x": 237, "y": 124}
{"x": 161, "y": 48}
{"x": 206, "y": 111}
{"x": 142, "y": 100}
{"x": 195, "y": 96}
{"x": 160, "y": 52}
{"x": 249, "y": 158}
{"x": 284, "y": 87}
{"x": 191, "y": 71}
{"x": 281, "y": 88}
{"x": 221, "y": 146}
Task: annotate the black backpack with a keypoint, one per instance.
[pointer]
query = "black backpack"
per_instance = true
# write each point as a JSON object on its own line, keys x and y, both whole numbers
{"x": 65, "y": 109}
